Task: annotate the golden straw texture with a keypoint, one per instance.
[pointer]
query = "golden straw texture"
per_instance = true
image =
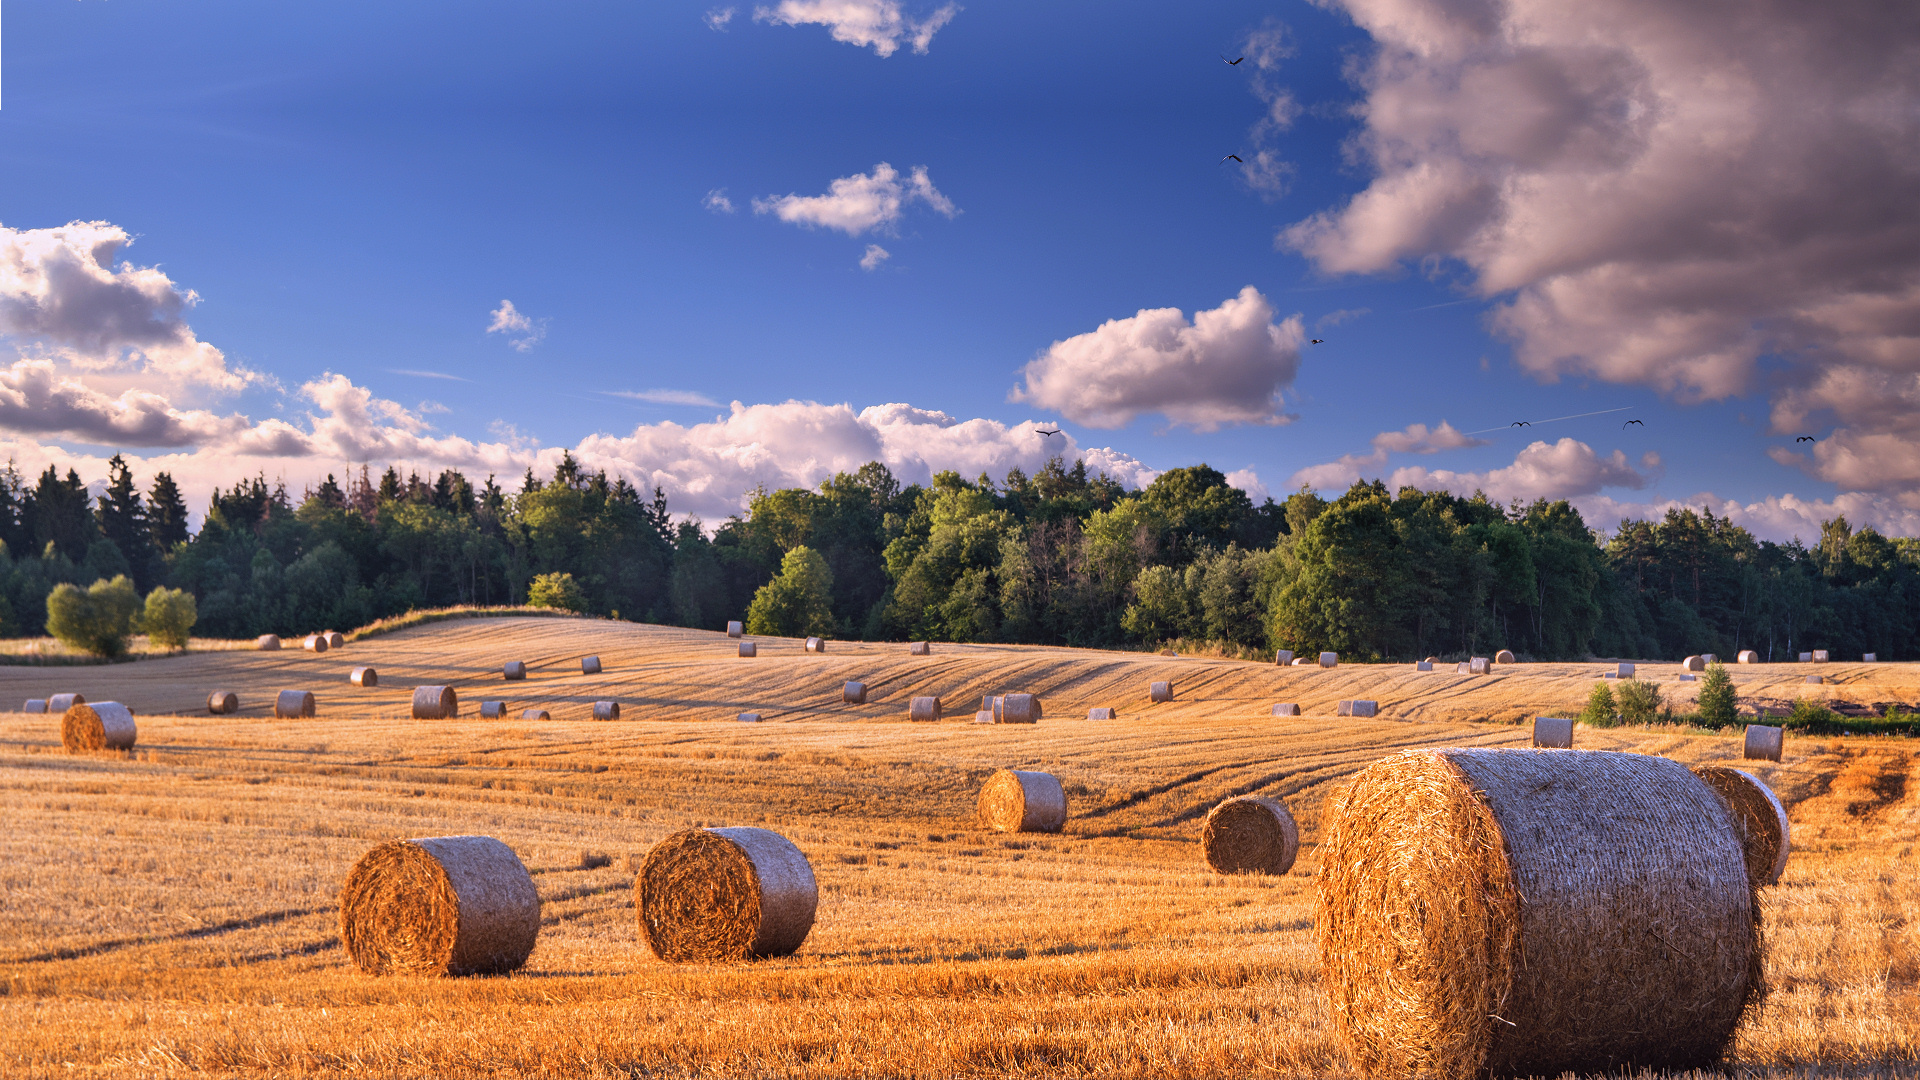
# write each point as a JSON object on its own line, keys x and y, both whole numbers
{"x": 446, "y": 905}
{"x": 1015, "y": 800}
{"x": 1757, "y": 816}
{"x": 104, "y": 725}
{"x": 724, "y": 894}
{"x": 1250, "y": 835}
{"x": 923, "y": 708}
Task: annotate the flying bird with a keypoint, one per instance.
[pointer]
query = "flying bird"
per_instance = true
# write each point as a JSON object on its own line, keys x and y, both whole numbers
{"x": 1318, "y": 341}
{"x": 1229, "y": 63}
{"x": 1044, "y": 431}
{"x": 1806, "y": 438}
{"x": 1235, "y": 157}
{"x": 1520, "y": 423}
{"x": 1623, "y": 427}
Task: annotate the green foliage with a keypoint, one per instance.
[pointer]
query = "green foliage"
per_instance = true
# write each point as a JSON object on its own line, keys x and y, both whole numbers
{"x": 96, "y": 620}
{"x": 1601, "y": 710}
{"x": 1639, "y": 701}
{"x": 556, "y": 591}
{"x": 169, "y": 618}
{"x": 1813, "y": 718}
{"x": 799, "y": 601}
{"x": 1719, "y": 704}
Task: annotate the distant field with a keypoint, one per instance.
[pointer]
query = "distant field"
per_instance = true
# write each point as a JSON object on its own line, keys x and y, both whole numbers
{"x": 172, "y": 910}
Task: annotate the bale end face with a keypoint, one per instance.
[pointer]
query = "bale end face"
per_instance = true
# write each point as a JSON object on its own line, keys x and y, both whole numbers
{"x": 606, "y": 710}
{"x": 1504, "y": 656}
{"x": 853, "y": 693}
{"x": 221, "y": 702}
{"x": 917, "y": 648}
{"x": 1763, "y": 742}
{"x": 1106, "y": 713}
{"x": 447, "y": 905}
{"x": 924, "y": 709}
{"x": 314, "y": 643}
{"x": 1250, "y": 835}
{"x": 293, "y": 704}
{"x": 364, "y": 676}
{"x": 1015, "y": 800}
{"x": 724, "y": 894}
{"x": 514, "y": 671}
{"x": 1819, "y": 656}
{"x": 747, "y": 649}
{"x": 1160, "y": 692}
{"x": 435, "y": 703}
{"x": 1758, "y": 817}
{"x": 1286, "y": 709}
{"x": 589, "y": 665}
{"x": 335, "y": 639}
{"x": 103, "y": 725}
{"x": 1694, "y": 663}
{"x": 1552, "y": 733}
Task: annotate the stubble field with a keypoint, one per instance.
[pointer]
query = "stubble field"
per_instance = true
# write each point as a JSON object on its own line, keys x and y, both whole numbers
{"x": 173, "y": 909}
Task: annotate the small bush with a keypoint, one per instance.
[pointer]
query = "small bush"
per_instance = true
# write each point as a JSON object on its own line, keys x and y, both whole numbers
{"x": 170, "y": 616}
{"x": 1719, "y": 705}
{"x": 556, "y": 591}
{"x": 1639, "y": 701}
{"x": 1600, "y": 710}
{"x": 96, "y": 620}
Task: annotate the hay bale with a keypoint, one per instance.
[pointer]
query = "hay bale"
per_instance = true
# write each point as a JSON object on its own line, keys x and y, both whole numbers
{"x": 34, "y": 705}
{"x": 1328, "y": 659}
{"x": 853, "y": 693}
{"x": 1423, "y": 665}
{"x": 60, "y": 703}
{"x": 493, "y": 710}
{"x": 1819, "y": 656}
{"x": 1488, "y": 912}
{"x": 221, "y": 702}
{"x": 1169, "y": 652}
{"x": 815, "y": 644}
{"x": 1357, "y": 708}
{"x": 364, "y": 676}
{"x": 1017, "y": 709}
{"x": 1160, "y": 692}
{"x": 1102, "y": 713}
{"x": 746, "y": 648}
{"x": 514, "y": 671}
{"x": 335, "y": 639}
{"x": 734, "y": 629}
{"x": 314, "y": 643}
{"x": 1869, "y": 658}
{"x": 1806, "y": 658}
{"x": 443, "y": 905}
{"x": 1250, "y": 835}
{"x": 1624, "y": 671}
{"x": 748, "y": 718}
{"x": 1283, "y": 657}
{"x": 594, "y": 860}
{"x": 725, "y": 894}
{"x": 267, "y": 642}
{"x": 1479, "y": 665}
{"x": 435, "y": 703}
{"x": 1709, "y": 658}
{"x": 1015, "y": 800}
{"x": 589, "y": 665}
{"x": 1286, "y": 709}
{"x": 104, "y": 725}
{"x": 1694, "y": 663}
{"x": 923, "y": 709}
{"x": 1748, "y": 656}
{"x": 1686, "y": 676}
{"x": 1552, "y": 733}
{"x": 1504, "y": 656}
{"x": 917, "y": 648}
{"x": 1816, "y": 678}
{"x": 293, "y": 704}
{"x": 1761, "y": 742}
{"x": 984, "y": 716}
{"x": 1757, "y": 816}
{"x": 606, "y": 710}
{"x": 536, "y": 714}
{"x": 1464, "y": 668}
{"x": 1303, "y": 661}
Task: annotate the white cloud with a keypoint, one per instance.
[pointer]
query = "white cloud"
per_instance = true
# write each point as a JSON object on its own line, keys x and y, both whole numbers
{"x": 510, "y": 321}
{"x": 1779, "y": 518}
{"x": 1562, "y": 470}
{"x": 1264, "y": 171}
{"x": 874, "y": 257}
{"x": 1228, "y": 366}
{"x": 1418, "y": 439}
{"x": 876, "y": 23}
{"x": 718, "y": 18}
{"x": 665, "y": 397}
{"x": 1248, "y": 481}
{"x": 1663, "y": 195}
{"x": 717, "y": 201}
{"x": 859, "y": 203}
{"x": 36, "y": 398}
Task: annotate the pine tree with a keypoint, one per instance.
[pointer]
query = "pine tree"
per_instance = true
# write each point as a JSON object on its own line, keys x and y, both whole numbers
{"x": 60, "y": 514}
{"x": 330, "y": 495}
{"x": 123, "y": 519}
{"x": 1600, "y": 707}
{"x": 1719, "y": 705}
{"x": 166, "y": 513}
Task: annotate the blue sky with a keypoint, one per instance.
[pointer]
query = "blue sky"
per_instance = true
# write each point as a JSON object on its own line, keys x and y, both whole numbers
{"x": 351, "y": 191}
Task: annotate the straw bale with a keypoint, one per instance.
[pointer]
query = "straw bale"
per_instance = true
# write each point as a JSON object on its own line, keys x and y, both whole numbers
{"x": 103, "y": 725}
{"x": 364, "y": 676}
{"x": 606, "y": 710}
{"x": 1504, "y": 656}
{"x": 1433, "y": 659}
{"x": 1017, "y": 709}
{"x": 746, "y": 648}
{"x": 493, "y": 710}
{"x": 435, "y": 703}
{"x": 1819, "y": 656}
{"x": 514, "y": 671}
{"x": 734, "y": 629}
{"x": 1423, "y": 665}
{"x": 1510, "y": 912}
{"x": 1283, "y": 657}
{"x": 536, "y": 714}
{"x": 293, "y": 704}
{"x": 34, "y": 705}
{"x": 725, "y": 894}
{"x": 1464, "y": 668}
{"x": 1169, "y": 652}
{"x": 1357, "y": 708}
{"x": 1624, "y": 671}
{"x": 267, "y": 642}
{"x": 1688, "y": 676}
{"x": 60, "y": 703}
{"x": 1869, "y": 658}
{"x": 748, "y": 718}
{"x": 1806, "y": 658}
{"x": 443, "y": 905}
{"x": 853, "y": 693}
{"x": 1015, "y": 800}
{"x": 1816, "y": 678}
{"x": 1250, "y": 835}
{"x": 984, "y": 716}
{"x": 923, "y": 708}
{"x": 815, "y": 644}
{"x": 1757, "y": 816}
{"x": 1764, "y": 743}
{"x": 1286, "y": 709}
{"x": 1328, "y": 659}
{"x": 1102, "y": 713}
{"x": 594, "y": 860}
{"x": 1748, "y": 656}
{"x": 589, "y": 665}
{"x": 335, "y": 639}
{"x": 315, "y": 643}
{"x": 1694, "y": 663}
{"x": 1303, "y": 661}
{"x": 917, "y": 648}
{"x": 223, "y": 701}
{"x": 1552, "y": 733}
{"x": 1479, "y": 665}
{"x": 1709, "y": 658}
{"x": 1160, "y": 692}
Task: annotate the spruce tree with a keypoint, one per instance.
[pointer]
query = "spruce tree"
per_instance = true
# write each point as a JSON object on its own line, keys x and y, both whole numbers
{"x": 1719, "y": 705}
{"x": 123, "y": 519}
{"x": 166, "y": 513}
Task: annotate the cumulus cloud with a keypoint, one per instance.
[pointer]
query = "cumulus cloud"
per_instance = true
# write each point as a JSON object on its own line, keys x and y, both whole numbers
{"x": 718, "y": 18}
{"x": 877, "y": 23}
{"x": 1248, "y": 481}
{"x": 859, "y": 203}
{"x": 1413, "y": 439}
{"x": 1779, "y": 518}
{"x": 1228, "y": 366}
{"x": 522, "y": 332}
{"x": 1662, "y": 195}
{"x": 61, "y": 286}
{"x": 665, "y": 397}
{"x": 36, "y": 398}
{"x": 717, "y": 201}
{"x": 874, "y": 257}
{"x": 1562, "y": 470}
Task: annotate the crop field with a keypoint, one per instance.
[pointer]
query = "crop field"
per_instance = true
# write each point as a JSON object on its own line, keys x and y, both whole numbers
{"x": 172, "y": 909}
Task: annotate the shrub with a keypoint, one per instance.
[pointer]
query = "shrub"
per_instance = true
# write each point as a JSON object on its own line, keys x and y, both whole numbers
{"x": 1600, "y": 710}
{"x": 96, "y": 620}
{"x": 556, "y": 591}
{"x": 1719, "y": 705}
{"x": 1639, "y": 701}
{"x": 170, "y": 616}
{"x": 796, "y": 603}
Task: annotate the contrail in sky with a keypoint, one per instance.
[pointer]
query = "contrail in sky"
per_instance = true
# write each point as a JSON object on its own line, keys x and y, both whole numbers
{"x": 1550, "y": 420}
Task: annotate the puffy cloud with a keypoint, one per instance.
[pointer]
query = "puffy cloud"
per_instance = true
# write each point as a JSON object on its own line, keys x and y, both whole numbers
{"x": 874, "y": 257}
{"x": 718, "y": 18}
{"x": 1663, "y": 194}
{"x": 61, "y": 285}
{"x": 1779, "y": 518}
{"x": 858, "y": 203}
{"x": 717, "y": 201}
{"x": 509, "y": 320}
{"x": 1417, "y": 439}
{"x": 1561, "y": 470}
{"x": 1228, "y": 366}
{"x": 876, "y": 23}
{"x": 1248, "y": 481}
{"x": 36, "y": 398}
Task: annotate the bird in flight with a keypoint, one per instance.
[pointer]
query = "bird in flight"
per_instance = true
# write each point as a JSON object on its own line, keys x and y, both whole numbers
{"x": 1229, "y": 63}
{"x": 1044, "y": 431}
{"x": 1235, "y": 157}
{"x": 1623, "y": 427}
{"x": 1520, "y": 423}
{"x": 1806, "y": 438}
{"x": 1318, "y": 341}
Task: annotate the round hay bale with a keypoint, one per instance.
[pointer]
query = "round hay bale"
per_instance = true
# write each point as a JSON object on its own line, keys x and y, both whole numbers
{"x": 1709, "y": 658}
{"x": 1819, "y": 656}
{"x": 314, "y": 643}
{"x": 1103, "y": 713}
{"x": 514, "y": 671}
{"x": 1328, "y": 659}
{"x": 267, "y": 642}
{"x": 1869, "y": 658}
{"x": 917, "y": 648}
{"x": 1250, "y": 835}
{"x": 493, "y": 710}
{"x": 1423, "y": 665}
{"x": 335, "y": 639}
{"x": 221, "y": 702}
{"x": 1017, "y": 709}
{"x": 747, "y": 649}
{"x": 1688, "y": 676}
{"x": 1302, "y": 661}
{"x": 1357, "y": 707}
{"x": 293, "y": 704}
{"x": 853, "y": 693}
{"x": 1816, "y": 678}
{"x": 606, "y": 710}
{"x": 1552, "y": 733}
{"x": 435, "y": 703}
{"x": 60, "y": 703}
{"x": 1282, "y": 657}
{"x": 1286, "y": 709}
{"x": 1160, "y": 692}
{"x": 444, "y": 905}
{"x": 536, "y": 714}
{"x": 364, "y": 676}
{"x": 34, "y": 705}
{"x": 104, "y": 725}
{"x": 1489, "y": 912}
{"x": 589, "y": 665}
{"x": 1748, "y": 656}
{"x": 1757, "y": 816}
{"x": 1624, "y": 671}
{"x": 815, "y": 644}
{"x": 1764, "y": 743}
{"x": 1504, "y": 656}
{"x": 748, "y": 718}
{"x": 984, "y": 716}
{"x": 724, "y": 894}
{"x": 1014, "y": 800}
{"x": 1806, "y": 658}
{"x": 923, "y": 709}
{"x": 1694, "y": 663}
{"x": 1479, "y": 665}
{"x": 734, "y": 629}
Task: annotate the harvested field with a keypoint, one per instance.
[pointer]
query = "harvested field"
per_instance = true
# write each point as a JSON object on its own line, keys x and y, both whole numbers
{"x": 174, "y": 909}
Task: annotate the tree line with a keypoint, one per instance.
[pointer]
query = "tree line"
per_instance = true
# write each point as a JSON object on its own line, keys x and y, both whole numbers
{"x": 1060, "y": 557}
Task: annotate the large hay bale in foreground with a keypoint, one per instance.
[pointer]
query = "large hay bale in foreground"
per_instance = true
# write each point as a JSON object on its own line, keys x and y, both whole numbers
{"x": 514, "y": 671}
{"x": 35, "y": 705}
{"x": 1160, "y": 692}
{"x": 853, "y": 693}
{"x": 1491, "y": 912}
{"x": 1250, "y": 835}
{"x": 724, "y": 894}
{"x": 364, "y": 676}
{"x": 293, "y": 704}
{"x": 314, "y": 643}
{"x": 103, "y": 725}
{"x": 1763, "y": 742}
{"x": 221, "y": 702}
{"x": 1748, "y": 656}
{"x": 734, "y": 629}
{"x": 60, "y": 703}
{"x": 1758, "y": 817}
{"x": 1552, "y": 733}
{"x": 267, "y": 642}
{"x": 589, "y": 665}
{"x": 1015, "y": 800}
{"x": 923, "y": 709}
{"x": 1016, "y": 709}
{"x": 435, "y": 703}
{"x": 444, "y": 905}
{"x": 1504, "y": 656}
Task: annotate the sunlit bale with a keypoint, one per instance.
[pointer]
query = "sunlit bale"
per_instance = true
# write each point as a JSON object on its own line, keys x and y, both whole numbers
{"x": 1017, "y": 709}
{"x": 1103, "y": 712}
{"x": 1869, "y": 658}
{"x": 853, "y": 693}
{"x": 435, "y": 703}
{"x": 747, "y": 649}
{"x": 335, "y": 639}
{"x": 1806, "y": 658}
{"x": 364, "y": 676}
{"x": 606, "y": 710}
{"x": 1287, "y": 708}
{"x": 103, "y": 725}
{"x": 1694, "y": 663}
{"x": 1552, "y": 733}
{"x": 1748, "y": 656}
{"x": 985, "y": 716}
{"x": 923, "y": 709}
{"x": 734, "y": 629}
{"x": 1015, "y": 800}
{"x": 315, "y": 643}
{"x": 1328, "y": 659}
{"x": 724, "y": 895}
{"x": 816, "y": 645}
{"x": 590, "y": 665}
{"x": 1687, "y": 676}
{"x": 1504, "y": 656}
{"x": 493, "y": 710}
{"x": 267, "y": 642}
{"x": 443, "y": 905}
{"x": 1423, "y": 665}
{"x": 514, "y": 671}
{"x": 34, "y": 705}
{"x": 1283, "y": 657}
{"x": 1758, "y": 817}
{"x": 1304, "y": 661}
{"x": 1357, "y": 708}
{"x": 1819, "y": 656}
{"x": 748, "y": 718}
{"x": 1479, "y": 665}
{"x": 1709, "y": 658}
{"x": 221, "y": 702}
{"x": 293, "y": 705}
{"x": 1160, "y": 692}
{"x": 1816, "y": 679}
{"x": 1488, "y": 912}
{"x": 536, "y": 714}
{"x": 1763, "y": 742}
{"x": 1624, "y": 671}
{"x": 1250, "y": 835}
{"x": 917, "y": 648}
{"x": 60, "y": 703}
{"x": 1464, "y": 668}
